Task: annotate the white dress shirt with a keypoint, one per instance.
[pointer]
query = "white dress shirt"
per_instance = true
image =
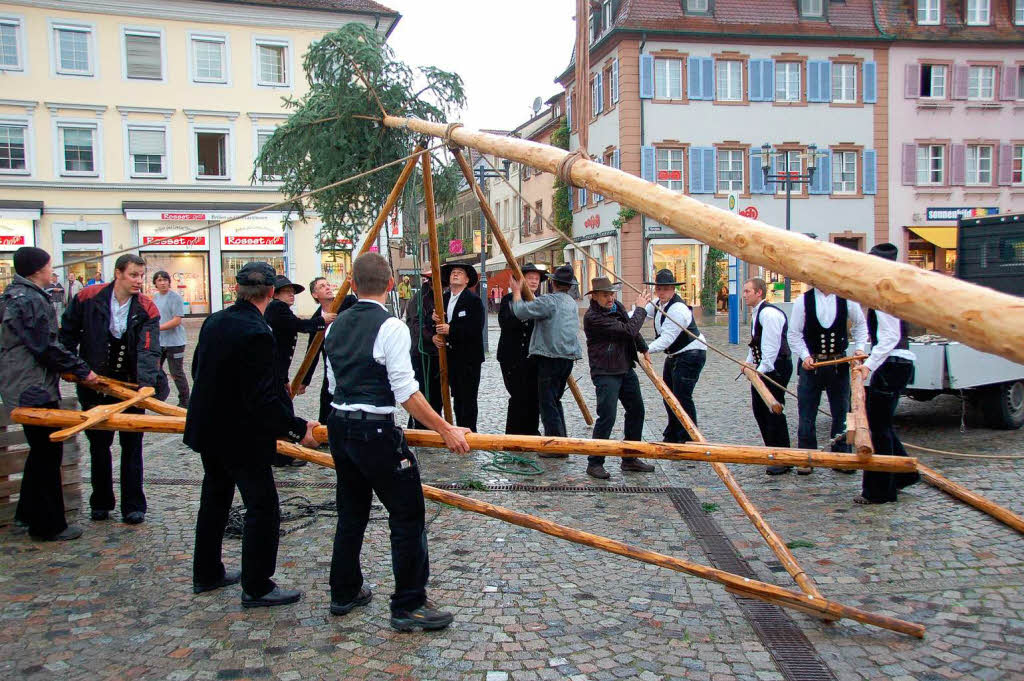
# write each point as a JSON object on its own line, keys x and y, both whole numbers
{"x": 119, "y": 315}
{"x": 668, "y": 330}
{"x": 391, "y": 349}
{"x": 772, "y": 322}
{"x": 825, "y": 306}
{"x": 451, "y": 305}
{"x": 888, "y": 336}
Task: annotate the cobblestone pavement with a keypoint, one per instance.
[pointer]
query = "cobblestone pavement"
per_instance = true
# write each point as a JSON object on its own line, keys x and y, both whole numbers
{"x": 116, "y": 604}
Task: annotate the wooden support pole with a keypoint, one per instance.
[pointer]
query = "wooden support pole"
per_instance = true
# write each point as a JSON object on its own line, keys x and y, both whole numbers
{"x": 833, "y": 362}
{"x": 99, "y": 414}
{"x": 371, "y": 239}
{"x": 762, "y": 390}
{"x": 115, "y": 388}
{"x": 1004, "y": 515}
{"x": 506, "y": 250}
{"x": 858, "y": 432}
{"x": 435, "y": 280}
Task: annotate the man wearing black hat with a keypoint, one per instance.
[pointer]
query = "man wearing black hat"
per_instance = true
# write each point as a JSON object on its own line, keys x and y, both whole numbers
{"x": 286, "y": 327}
{"x": 463, "y": 335}
{"x": 31, "y": 362}
{"x": 554, "y": 342}
{"x": 422, "y": 329}
{"x": 238, "y": 409}
{"x": 116, "y": 330}
{"x": 518, "y": 369}
{"x": 890, "y": 368}
{"x": 684, "y": 346}
{"x": 613, "y": 341}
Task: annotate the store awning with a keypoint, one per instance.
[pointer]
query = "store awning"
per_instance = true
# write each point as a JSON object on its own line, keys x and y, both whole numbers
{"x": 943, "y": 237}
{"x": 520, "y": 250}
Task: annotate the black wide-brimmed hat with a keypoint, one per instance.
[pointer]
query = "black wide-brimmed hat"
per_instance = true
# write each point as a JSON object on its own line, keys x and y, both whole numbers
{"x": 564, "y": 275}
{"x": 664, "y": 278}
{"x": 887, "y": 251}
{"x": 530, "y": 267}
{"x": 446, "y": 273}
{"x": 282, "y": 281}
{"x": 603, "y": 284}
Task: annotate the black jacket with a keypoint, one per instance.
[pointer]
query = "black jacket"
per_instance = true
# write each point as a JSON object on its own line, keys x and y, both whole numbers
{"x": 349, "y": 301}
{"x": 85, "y": 329}
{"x": 237, "y": 397}
{"x": 421, "y": 323}
{"x": 613, "y": 338}
{"x": 466, "y": 335}
{"x": 514, "y": 342}
{"x": 287, "y": 327}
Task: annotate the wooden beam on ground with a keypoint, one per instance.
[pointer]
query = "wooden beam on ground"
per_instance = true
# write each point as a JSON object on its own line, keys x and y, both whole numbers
{"x": 1004, "y": 515}
{"x": 435, "y": 280}
{"x": 99, "y": 414}
{"x": 762, "y": 390}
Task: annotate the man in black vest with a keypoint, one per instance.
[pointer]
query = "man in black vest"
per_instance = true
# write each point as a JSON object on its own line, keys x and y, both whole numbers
{"x": 890, "y": 368}
{"x": 419, "y": 316}
{"x": 323, "y": 294}
{"x": 518, "y": 369}
{"x": 238, "y": 409}
{"x": 370, "y": 374}
{"x": 684, "y": 347}
{"x": 818, "y": 333}
{"x": 769, "y": 354}
{"x": 464, "y": 335}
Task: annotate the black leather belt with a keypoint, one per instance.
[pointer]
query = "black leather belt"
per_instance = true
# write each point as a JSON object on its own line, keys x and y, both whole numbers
{"x": 363, "y": 416}
{"x": 826, "y": 358}
{"x": 899, "y": 360}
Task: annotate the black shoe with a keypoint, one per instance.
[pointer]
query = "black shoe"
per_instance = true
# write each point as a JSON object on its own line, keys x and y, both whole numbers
{"x": 278, "y": 596}
{"x": 598, "y": 472}
{"x": 230, "y": 577}
{"x": 98, "y": 515}
{"x": 550, "y": 455}
{"x": 134, "y": 518}
{"x": 777, "y": 470}
{"x": 69, "y": 533}
{"x": 298, "y": 463}
{"x": 426, "y": 618}
{"x": 636, "y": 466}
{"x": 362, "y": 598}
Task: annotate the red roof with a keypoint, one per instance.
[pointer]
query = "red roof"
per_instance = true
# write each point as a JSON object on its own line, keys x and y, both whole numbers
{"x": 899, "y": 20}
{"x": 360, "y": 6}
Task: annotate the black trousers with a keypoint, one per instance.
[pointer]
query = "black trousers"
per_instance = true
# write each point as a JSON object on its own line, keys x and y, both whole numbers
{"x": 41, "y": 500}
{"x": 523, "y": 415}
{"x": 464, "y": 381}
{"x": 623, "y": 388}
{"x": 552, "y": 377}
{"x": 427, "y": 369}
{"x": 373, "y": 457}
{"x": 260, "y": 534}
{"x": 774, "y": 428}
{"x": 881, "y": 398}
{"x": 175, "y": 358}
{"x": 325, "y": 404}
{"x": 101, "y": 466}
{"x": 680, "y": 374}
{"x": 835, "y": 382}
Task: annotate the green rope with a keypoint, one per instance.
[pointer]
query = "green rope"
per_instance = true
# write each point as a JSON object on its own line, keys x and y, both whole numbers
{"x": 503, "y": 462}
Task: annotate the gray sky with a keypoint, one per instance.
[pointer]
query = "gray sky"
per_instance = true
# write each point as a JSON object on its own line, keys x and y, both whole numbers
{"x": 506, "y": 53}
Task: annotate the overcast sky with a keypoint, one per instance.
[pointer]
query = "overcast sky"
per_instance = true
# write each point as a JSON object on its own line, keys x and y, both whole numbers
{"x": 507, "y": 53}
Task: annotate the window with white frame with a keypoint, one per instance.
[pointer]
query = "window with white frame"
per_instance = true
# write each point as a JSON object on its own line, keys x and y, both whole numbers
{"x": 730, "y": 170}
{"x": 791, "y": 159}
{"x": 13, "y": 149}
{"x": 209, "y": 59}
{"x": 978, "y": 12}
{"x": 844, "y": 83}
{"x": 933, "y": 81}
{"x": 1018, "y": 12}
{"x": 844, "y": 172}
{"x": 596, "y": 97}
{"x": 927, "y": 12}
{"x": 698, "y": 6}
{"x": 606, "y": 14}
{"x": 981, "y": 82}
{"x": 10, "y": 44}
{"x": 78, "y": 148}
{"x": 668, "y": 78}
{"x": 1020, "y": 80}
{"x": 669, "y": 169}
{"x": 979, "y": 164}
{"x": 272, "y": 58}
{"x": 1017, "y": 167}
{"x": 787, "y": 81}
{"x": 931, "y": 164}
{"x": 147, "y": 150}
{"x": 267, "y": 174}
{"x": 211, "y": 154}
{"x": 729, "y": 80}
{"x": 73, "y": 46}
{"x": 812, "y": 8}
{"x": 594, "y": 19}
{"x": 143, "y": 55}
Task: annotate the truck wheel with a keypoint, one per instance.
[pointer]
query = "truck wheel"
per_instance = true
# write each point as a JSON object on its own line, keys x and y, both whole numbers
{"x": 1004, "y": 406}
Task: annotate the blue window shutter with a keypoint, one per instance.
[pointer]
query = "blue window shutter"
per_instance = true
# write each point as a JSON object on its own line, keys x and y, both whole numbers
{"x": 870, "y": 82}
{"x": 583, "y": 197}
{"x": 826, "y": 81}
{"x": 647, "y": 163}
{"x": 710, "y": 180}
{"x": 870, "y": 171}
{"x": 598, "y": 198}
{"x": 756, "y": 174}
{"x": 571, "y": 202}
{"x": 615, "y": 81}
{"x": 646, "y": 76}
{"x": 693, "y": 78}
{"x": 696, "y": 171}
{"x": 707, "y": 77}
{"x": 813, "y": 81}
{"x": 615, "y": 159}
{"x": 568, "y": 111}
{"x": 768, "y": 80}
{"x": 754, "y": 78}
{"x": 822, "y": 183}
{"x": 600, "y": 92}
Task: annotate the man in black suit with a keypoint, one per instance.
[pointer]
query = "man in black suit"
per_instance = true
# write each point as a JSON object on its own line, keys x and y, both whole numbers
{"x": 323, "y": 293}
{"x": 238, "y": 409}
{"x": 518, "y": 369}
{"x": 463, "y": 335}
{"x": 419, "y": 318}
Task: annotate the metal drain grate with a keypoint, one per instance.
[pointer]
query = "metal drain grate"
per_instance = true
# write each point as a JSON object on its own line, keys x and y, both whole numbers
{"x": 451, "y": 486}
{"x": 794, "y": 655}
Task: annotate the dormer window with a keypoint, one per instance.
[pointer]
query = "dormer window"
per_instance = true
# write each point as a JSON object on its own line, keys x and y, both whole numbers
{"x": 606, "y": 14}
{"x": 927, "y": 12}
{"x": 812, "y": 9}
{"x": 978, "y": 12}
{"x": 698, "y": 6}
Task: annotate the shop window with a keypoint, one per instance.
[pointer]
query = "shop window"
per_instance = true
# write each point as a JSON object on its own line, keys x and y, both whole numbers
{"x": 272, "y": 59}
{"x": 981, "y": 82}
{"x": 730, "y": 170}
{"x": 209, "y": 59}
{"x": 13, "y": 158}
{"x": 978, "y": 12}
{"x": 979, "y": 164}
{"x": 211, "y": 155}
{"x": 147, "y": 148}
{"x": 78, "y": 150}
{"x": 844, "y": 83}
{"x": 668, "y": 79}
{"x": 143, "y": 55}
{"x": 189, "y": 277}
{"x": 10, "y": 44}
{"x": 73, "y": 46}
{"x": 931, "y": 164}
{"x": 729, "y": 80}
{"x": 844, "y": 172}
{"x": 669, "y": 171}
{"x": 933, "y": 81}
{"x": 787, "y": 81}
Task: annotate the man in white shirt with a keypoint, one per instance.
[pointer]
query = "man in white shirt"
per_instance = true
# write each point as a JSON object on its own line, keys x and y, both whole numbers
{"x": 685, "y": 351}
{"x": 770, "y": 355}
{"x": 890, "y": 368}
{"x": 818, "y": 333}
{"x": 370, "y": 372}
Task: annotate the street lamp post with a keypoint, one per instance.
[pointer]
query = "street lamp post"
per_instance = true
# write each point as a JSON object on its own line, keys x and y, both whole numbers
{"x": 789, "y": 178}
{"x": 482, "y": 174}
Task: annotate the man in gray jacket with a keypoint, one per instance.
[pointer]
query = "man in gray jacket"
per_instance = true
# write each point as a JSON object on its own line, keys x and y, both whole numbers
{"x": 31, "y": 362}
{"x": 554, "y": 343}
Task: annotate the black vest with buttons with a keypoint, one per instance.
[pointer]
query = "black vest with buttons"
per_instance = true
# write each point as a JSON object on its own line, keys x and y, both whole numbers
{"x": 904, "y": 342}
{"x": 683, "y": 339}
{"x": 820, "y": 341}
{"x": 119, "y": 361}
{"x": 358, "y": 377}
{"x": 755, "y": 338}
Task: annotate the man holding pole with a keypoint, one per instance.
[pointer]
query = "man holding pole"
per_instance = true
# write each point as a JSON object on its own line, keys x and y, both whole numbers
{"x": 464, "y": 336}
{"x": 425, "y": 363}
{"x": 323, "y": 294}
{"x": 518, "y": 369}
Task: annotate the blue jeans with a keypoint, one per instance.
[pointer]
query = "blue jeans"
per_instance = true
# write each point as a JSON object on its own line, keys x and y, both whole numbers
{"x": 833, "y": 380}
{"x": 623, "y": 388}
{"x": 680, "y": 375}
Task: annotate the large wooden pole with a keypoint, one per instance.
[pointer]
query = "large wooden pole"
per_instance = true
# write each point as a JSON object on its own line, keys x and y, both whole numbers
{"x": 858, "y": 433}
{"x": 435, "y": 280}
{"x": 1005, "y": 515}
{"x": 976, "y": 315}
{"x": 762, "y": 390}
{"x": 506, "y": 250}
{"x": 101, "y": 413}
{"x": 371, "y": 239}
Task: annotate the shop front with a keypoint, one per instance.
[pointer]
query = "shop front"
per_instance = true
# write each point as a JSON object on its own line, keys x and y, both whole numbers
{"x": 79, "y": 247}
{"x": 258, "y": 238}
{"x": 932, "y": 246}
{"x": 17, "y": 229}
{"x": 686, "y": 259}
{"x": 336, "y": 263}
{"x": 176, "y": 248}
{"x": 603, "y": 248}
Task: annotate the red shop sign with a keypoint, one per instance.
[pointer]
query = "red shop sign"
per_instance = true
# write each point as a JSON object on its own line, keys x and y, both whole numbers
{"x": 175, "y": 240}
{"x": 593, "y": 222}
{"x": 12, "y": 241}
{"x": 749, "y": 212}
{"x": 254, "y": 240}
{"x": 182, "y": 216}
{"x": 670, "y": 174}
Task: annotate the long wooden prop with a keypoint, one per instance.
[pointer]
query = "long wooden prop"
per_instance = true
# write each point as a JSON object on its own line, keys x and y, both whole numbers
{"x": 858, "y": 433}
{"x": 932, "y": 477}
{"x": 773, "y": 540}
{"x": 976, "y": 315}
{"x": 435, "y": 280}
{"x": 762, "y": 390}
{"x": 371, "y": 239}
{"x": 115, "y": 388}
{"x": 506, "y": 250}
{"x": 841, "y": 360}
{"x": 101, "y": 413}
